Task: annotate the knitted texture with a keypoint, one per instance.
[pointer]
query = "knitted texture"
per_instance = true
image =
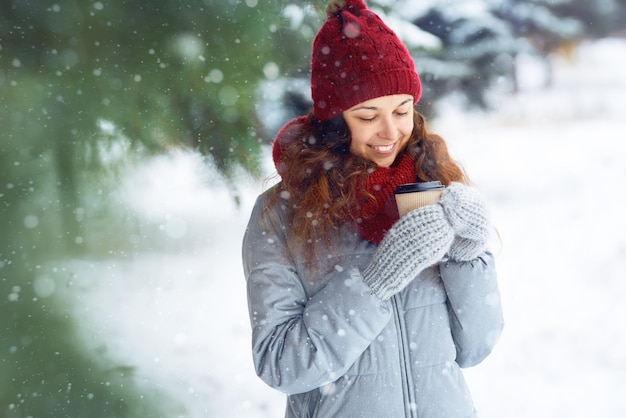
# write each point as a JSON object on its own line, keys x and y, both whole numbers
{"x": 418, "y": 240}
{"x": 291, "y": 131}
{"x": 375, "y": 217}
{"x": 456, "y": 225}
{"x": 356, "y": 57}
{"x": 466, "y": 211}
{"x": 464, "y": 249}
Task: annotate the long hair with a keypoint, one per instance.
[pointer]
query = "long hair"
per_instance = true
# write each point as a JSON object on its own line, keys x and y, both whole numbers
{"x": 322, "y": 178}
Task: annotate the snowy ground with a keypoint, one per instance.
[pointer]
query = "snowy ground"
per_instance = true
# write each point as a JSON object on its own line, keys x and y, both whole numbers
{"x": 551, "y": 162}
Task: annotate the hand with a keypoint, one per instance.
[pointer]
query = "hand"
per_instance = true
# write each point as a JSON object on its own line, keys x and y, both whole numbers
{"x": 418, "y": 240}
{"x": 465, "y": 249}
{"x": 467, "y": 213}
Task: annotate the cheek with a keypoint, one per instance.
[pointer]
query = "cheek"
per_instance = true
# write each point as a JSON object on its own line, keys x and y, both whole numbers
{"x": 407, "y": 130}
{"x": 357, "y": 141}
{"x": 407, "y": 126}
{"x": 355, "y": 147}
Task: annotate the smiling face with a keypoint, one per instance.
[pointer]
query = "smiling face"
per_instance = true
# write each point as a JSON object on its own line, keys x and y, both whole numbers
{"x": 381, "y": 127}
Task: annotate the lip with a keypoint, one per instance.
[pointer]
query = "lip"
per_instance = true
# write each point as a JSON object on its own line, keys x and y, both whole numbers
{"x": 384, "y": 149}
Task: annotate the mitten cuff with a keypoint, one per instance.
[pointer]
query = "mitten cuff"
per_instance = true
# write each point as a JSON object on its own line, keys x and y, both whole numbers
{"x": 375, "y": 280}
{"x": 464, "y": 249}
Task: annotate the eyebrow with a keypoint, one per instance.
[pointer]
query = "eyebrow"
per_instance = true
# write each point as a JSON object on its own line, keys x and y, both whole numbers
{"x": 375, "y": 108}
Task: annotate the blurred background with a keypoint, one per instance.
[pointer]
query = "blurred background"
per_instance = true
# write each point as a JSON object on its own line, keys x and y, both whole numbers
{"x": 134, "y": 138}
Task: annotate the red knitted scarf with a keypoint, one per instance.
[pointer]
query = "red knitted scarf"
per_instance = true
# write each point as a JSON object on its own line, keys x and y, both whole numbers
{"x": 375, "y": 217}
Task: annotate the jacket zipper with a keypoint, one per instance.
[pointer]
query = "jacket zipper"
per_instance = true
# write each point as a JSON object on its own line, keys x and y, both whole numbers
{"x": 404, "y": 369}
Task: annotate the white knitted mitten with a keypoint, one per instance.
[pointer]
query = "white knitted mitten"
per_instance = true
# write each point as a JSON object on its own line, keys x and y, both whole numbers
{"x": 466, "y": 211}
{"x": 465, "y": 249}
{"x": 418, "y": 240}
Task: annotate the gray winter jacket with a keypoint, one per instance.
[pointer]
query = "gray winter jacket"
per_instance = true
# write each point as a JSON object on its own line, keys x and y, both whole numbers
{"x": 320, "y": 335}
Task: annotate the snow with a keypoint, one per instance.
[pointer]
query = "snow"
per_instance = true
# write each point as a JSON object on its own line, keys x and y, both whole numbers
{"x": 410, "y": 34}
{"x": 551, "y": 163}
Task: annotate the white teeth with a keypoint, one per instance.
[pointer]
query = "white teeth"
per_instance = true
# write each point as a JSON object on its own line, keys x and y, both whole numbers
{"x": 383, "y": 148}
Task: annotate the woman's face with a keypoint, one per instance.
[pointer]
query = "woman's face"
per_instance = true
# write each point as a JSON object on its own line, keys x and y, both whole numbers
{"x": 380, "y": 127}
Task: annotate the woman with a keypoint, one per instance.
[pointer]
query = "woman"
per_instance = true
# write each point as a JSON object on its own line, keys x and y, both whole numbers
{"x": 355, "y": 312}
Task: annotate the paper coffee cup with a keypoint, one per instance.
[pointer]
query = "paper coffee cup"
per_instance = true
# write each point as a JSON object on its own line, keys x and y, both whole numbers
{"x": 415, "y": 195}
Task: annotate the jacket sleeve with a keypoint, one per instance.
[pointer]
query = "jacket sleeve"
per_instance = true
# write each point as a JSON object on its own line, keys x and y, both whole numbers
{"x": 474, "y": 305}
{"x": 302, "y": 342}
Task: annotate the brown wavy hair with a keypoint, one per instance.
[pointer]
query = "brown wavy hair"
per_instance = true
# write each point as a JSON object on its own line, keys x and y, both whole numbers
{"x": 321, "y": 177}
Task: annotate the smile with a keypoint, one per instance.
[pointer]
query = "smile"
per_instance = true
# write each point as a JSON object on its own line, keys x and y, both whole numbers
{"x": 383, "y": 149}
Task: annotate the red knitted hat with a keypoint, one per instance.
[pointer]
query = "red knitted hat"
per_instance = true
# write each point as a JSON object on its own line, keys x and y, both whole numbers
{"x": 356, "y": 57}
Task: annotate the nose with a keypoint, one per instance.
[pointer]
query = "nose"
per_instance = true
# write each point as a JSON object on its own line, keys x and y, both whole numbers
{"x": 388, "y": 129}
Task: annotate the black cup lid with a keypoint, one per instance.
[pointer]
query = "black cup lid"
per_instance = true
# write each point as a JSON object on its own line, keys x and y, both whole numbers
{"x": 419, "y": 187}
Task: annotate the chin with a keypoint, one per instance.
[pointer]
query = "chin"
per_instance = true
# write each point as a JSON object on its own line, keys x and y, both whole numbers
{"x": 384, "y": 162}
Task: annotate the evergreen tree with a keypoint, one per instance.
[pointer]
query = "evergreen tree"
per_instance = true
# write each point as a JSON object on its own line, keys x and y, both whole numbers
{"x": 464, "y": 47}
{"x": 454, "y": 51}
{"x": 80, "y": 81}
{"x": 160, "y": 74}
{"x": 475, "y": 52}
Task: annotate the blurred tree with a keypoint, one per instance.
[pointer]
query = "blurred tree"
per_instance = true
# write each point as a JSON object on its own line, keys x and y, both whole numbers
{"x": 161, "y": 74}
{"x": 597, "y": 18}
{"x": 454, "y": 51}
{"x": 537, "y": 22}
{"x": 464, "y": 47}
{"x": 618, "y": 19}
{"x": 557, "y": 26}
{"x": 84, "y": 84}
{"x": 475, "y": 52}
